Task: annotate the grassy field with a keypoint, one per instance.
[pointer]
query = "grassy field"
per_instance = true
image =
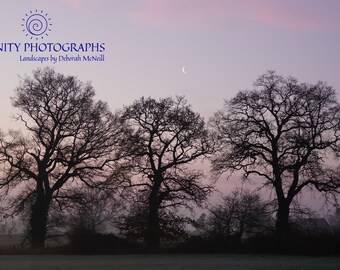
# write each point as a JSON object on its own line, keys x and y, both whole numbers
{"x": 167, "y": 262}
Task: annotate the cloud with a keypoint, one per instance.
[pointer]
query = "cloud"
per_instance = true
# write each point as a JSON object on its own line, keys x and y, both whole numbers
{"x": 188, "y": 14}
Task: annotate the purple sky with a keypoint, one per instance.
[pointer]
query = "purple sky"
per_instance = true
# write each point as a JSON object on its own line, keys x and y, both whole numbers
{"x": 224, "y": 44}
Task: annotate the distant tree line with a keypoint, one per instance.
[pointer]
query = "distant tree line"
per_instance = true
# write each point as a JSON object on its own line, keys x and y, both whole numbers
{"x": 73, "y": 164}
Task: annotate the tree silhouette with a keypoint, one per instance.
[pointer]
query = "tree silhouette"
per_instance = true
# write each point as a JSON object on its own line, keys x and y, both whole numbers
{"x": 69, "y": 138}
{"x": 93, "y": 212}
{"x": 134, "y": 223}
{"x": 285, "y": 133}
{"x": 166, "y": 136}
{"x": 240, "y": 214}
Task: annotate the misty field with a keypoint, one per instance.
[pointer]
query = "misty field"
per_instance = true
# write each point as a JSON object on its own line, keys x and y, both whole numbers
{"x": 167, "y": 262}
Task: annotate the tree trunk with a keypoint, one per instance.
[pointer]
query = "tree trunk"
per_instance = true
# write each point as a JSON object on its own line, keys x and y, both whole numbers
{"x": 282, "y": 221}
{"x": 38, "y": 221}
{"x": 153, "y": 229}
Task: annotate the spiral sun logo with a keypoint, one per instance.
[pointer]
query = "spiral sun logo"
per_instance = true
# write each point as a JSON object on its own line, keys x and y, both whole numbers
{"x": 36, "y": 24}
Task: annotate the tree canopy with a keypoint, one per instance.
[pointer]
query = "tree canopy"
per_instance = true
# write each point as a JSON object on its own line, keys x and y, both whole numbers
{"x": 285, "y": 132}
{"x": 68, "y": 138}
{"x": 166, "y": 136}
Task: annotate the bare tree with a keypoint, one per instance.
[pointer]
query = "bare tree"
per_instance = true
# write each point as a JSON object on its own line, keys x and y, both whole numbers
{"x": 285, "y": 133}
{"x": 94, "y": 212}
{"x": 240, "y": 214}
{"x": 67, "y": 137}
{"x": 134, "y": 223}
{"x": 166, "y": 137}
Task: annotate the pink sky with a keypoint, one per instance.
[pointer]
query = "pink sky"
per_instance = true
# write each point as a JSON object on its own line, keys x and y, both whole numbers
{"x": 213, "y": 14}
{"x": 80, "y": 5}
{"x": 210, "y": 13}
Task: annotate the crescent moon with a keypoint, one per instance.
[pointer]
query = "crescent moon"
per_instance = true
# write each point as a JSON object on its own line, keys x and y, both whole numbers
{"x": 183, "y": 70}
